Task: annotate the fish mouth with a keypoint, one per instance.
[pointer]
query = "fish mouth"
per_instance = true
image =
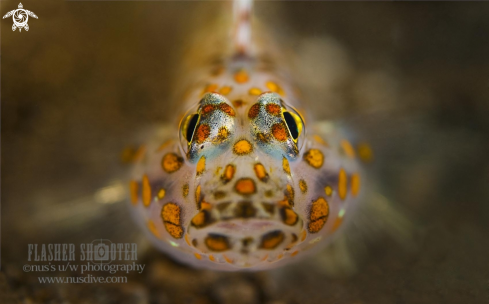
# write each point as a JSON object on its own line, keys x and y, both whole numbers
{"x": 245, "y": 233}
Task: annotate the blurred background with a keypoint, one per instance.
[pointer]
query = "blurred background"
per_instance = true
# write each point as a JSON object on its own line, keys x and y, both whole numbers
{"x": 90, "y": 76}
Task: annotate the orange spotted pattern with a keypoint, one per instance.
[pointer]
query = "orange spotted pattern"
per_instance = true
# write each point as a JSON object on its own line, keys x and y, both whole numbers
{"x": 245, "y": 186}
{"x": 228, "y": 173}
{"x": 342, "y": 184}
{"x": 202, "y": 133}
{"x": 170, "y": 214}
{"x": 279, "y": 131}
{"x": 314, "y": 158}
{"x": 241, "y": 76}
{"x": 355, "y": 184}
{"x": 146, "y": 192}
{"x": 318, "y": 215}
{"x": 273, "y": 109}
{"x": 254, "y": 111}
{"x": 171, "y": 162}
{"x": 261, "y": 172}
{"x": 134, "y": 188}
{"x": 242, "y": 147}
{"x": 227, "y": 109}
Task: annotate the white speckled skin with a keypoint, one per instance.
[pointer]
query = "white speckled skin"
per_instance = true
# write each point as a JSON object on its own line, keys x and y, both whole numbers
{"x": 243, "y": 230}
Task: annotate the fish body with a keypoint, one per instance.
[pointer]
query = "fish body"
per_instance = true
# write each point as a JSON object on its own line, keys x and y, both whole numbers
{"x": 245, "y": 183}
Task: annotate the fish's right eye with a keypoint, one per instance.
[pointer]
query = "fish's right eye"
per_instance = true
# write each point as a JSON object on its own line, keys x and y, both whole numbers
{"x": 188, "y": 127}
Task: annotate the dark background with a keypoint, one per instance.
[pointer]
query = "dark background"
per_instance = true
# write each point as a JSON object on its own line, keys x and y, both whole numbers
{"x": 89, "y": 76}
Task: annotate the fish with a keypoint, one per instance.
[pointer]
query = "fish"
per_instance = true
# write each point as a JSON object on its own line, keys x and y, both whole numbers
{"x": 246, "y": 176}
{"x": 248, "y": 179}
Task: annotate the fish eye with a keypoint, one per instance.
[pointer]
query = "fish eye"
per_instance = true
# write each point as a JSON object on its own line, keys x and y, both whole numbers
{"x": 292, "y": 125}
{"x": 188, "y": 127}
{"x": 207, "y": 127}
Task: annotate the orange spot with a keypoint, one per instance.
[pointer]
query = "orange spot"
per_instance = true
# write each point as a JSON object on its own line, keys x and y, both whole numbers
{"x": 222, "y": 135}
{"x": 197, "y": 256}
{"x": 337, "y": 223}
{"x": 140, "y": 152}
{"x": 285, "y": 202}
{"x": 209, "y": 108}
{"x": 205, "y": 205}
{"x": 164, "y": 145}
{"x": 342, "y": 184}
{"x": 289, "y": 216}
{"x": 289, "y": 193}
{"x": 241, "y": 76}
{"x": 314, "y": 158}
{"x": 201, "y": 165}
{"x": 170, "y": 214}
{"x": 303, "y": 186}
{"x": 294, "y": 253}
{"x": 365, "y": 152}
{"x": 227, "y": 109}
{"x": 131, "y": 155}
{"x": 185, "y": 189}
{"x": 211, "y": 257}
{"x": 318, "y": 139}
{"x": 197, "y": 194}
{"x": 127, "y": 155}
{"x": 242, "y": 147}
{"x": 202, "y": 133}
{"x": 347, "y": 148}
{"x": 161, "y": 193}
{"x": 146, "y": 191}
{"x": 228, "y": 173}
{"x": 280, "y": 256}
{"x": 201, "y": 219}
{"x": 355, "y": 184}
{"x": 273, "y": 109}
{"x": 254, "y": 91}
{"x": 238, "y": 103}
{"x": 328, "y": 190}
{"x": 254, "y": 111}
{"x": 279, "y": 131}
{"x": 230, "y": 261}
{"x": 171, "y": 162}
{"x": 318, "y": 215}
{"x": 303, "y": 235}
{"x": 210, "y": 88}
{"x": 187, "y": 240}
{"x": 152, "y": 229}
{"x": 272, "y": 86}
{"x": 272, "y": 239}
{"x": 260, "y": 172}
{"x": 225, "y": 90}
{"x": 217, "y": 243}
{"x": 285, "y": 165}
{"x": 262, "y": 137}
{"x": 134, "y": 188}
{"x": 245, "y": 186}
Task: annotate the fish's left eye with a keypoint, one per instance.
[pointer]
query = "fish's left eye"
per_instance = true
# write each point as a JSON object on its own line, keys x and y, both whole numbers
{"x": 188, "y": 126}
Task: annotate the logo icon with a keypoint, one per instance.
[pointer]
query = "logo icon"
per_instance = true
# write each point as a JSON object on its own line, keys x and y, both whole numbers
{"x": 103, "y": 251}
{"x": 20, "y": 17}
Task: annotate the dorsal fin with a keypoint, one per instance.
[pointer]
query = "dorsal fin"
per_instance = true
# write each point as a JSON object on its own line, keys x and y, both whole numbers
{"x": 242, "y": 27}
